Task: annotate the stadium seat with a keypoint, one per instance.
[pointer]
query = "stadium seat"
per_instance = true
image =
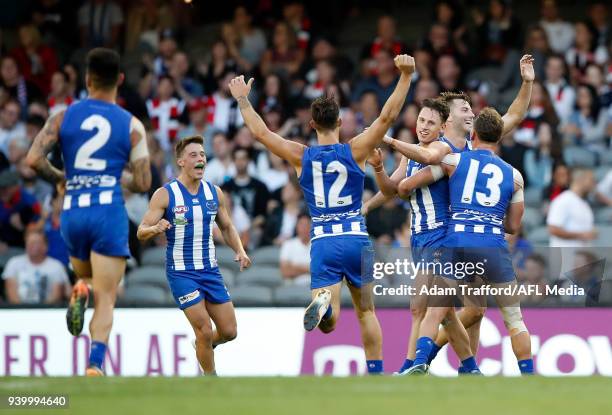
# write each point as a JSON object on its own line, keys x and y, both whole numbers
{"x": 603, "y": 215}
{"x": 149, "y": 276}
{"x": 260, "y": 276}
{"x": 154, "y": 256}
{"x": 539, "y": 236}
{"x": 604, "y": 236}
{"x": 605, "y": 158}
{"x": 143, "y": 295}
{"x": 600, "y": 173}
{"x": 225, "y": 258}
{"x": 268, "y": 255}
{"x": 533, "y": 197}
{"x": 292, "y": 295}
{"x": 228, "y": 276}
{"x": 532, "y": 218}
{"x": 249, "y": 295}
{"x": 8, "y": 254}
{"x": 579, "y": 157}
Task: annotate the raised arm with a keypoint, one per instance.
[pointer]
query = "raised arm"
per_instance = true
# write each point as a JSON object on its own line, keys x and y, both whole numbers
{"x": 138, "y": 178}
{"x": 519, "y": 106}
{"x": 384, "y": 182}
{"x": 42, "y": 146}
{"x": 516, "y": 208}
{"x": 379, "y": 199}
{"x": 432, "y": 154}
{"x": 285, "y": 149}
{"x": 229, "y": 232}
{"x": 153, "y": 223}
{"x": 428, "y": 175}
{"x": 372, "y": 137}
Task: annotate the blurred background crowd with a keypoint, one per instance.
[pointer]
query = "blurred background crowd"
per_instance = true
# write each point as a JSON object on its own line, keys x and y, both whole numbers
{"x": 179, "y": 56}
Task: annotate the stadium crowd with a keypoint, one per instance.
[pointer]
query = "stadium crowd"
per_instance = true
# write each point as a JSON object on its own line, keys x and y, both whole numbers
{"x": 562, "y": 148}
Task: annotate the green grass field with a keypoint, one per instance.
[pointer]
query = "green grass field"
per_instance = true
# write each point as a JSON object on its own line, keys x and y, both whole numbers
{"x": 321, "y": 396}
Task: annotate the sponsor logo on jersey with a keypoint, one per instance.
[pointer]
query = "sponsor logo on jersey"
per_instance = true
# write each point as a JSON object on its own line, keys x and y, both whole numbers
{"x": 180, "y": 210}
{"x": 188, "y": 297}
{"x": 180, "y": 221}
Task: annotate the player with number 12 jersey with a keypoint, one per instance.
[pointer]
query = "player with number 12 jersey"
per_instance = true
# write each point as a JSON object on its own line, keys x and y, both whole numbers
{"x": 331, "y": 175}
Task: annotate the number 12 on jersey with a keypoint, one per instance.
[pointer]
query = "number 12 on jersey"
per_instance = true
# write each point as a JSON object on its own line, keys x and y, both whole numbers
{"x": 334, "y": 199}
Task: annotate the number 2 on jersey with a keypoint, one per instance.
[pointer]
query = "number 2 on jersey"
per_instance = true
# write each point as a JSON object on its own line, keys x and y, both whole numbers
{"x": 83, "y": 159}
{"x": 493, "y": 182}
{"x": 334, "y": 198}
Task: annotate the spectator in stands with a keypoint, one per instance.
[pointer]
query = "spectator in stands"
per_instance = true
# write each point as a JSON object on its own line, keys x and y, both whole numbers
{"x": 220, "y": 64}
{"x": 59, "y": 98}
{"x": 383, "y": 83}
{"x": 448, "y": 13}
{"x": 438, "y": 41}
{"x": 223, "y": 108}
{"x": 587, "y": 124}
{"x": 385, "y": 221}
{"x": 273, "y": 171}
{"x": 497, "y": 32}
{"x": 534, "y": 274}
{"x": 323, "y": 76}
{"x": 281, "y": 221}
{"x": 145, "y": 20}
{"x": 36, "y": 61}
{"x": 561, "y": 178}
{"x": 448, "y": 73}
{"x": 386, "y": 39}
{"x": 539, "y": 160}
{"x": 284, "y": 57}
{"x": 570, "y": 217}
{"x": 165, "y": 111}
{"x": 220, "y": 168}
{"x": 586, "y": 273}
{"x": 34, "y": 277}
{"x": 425, "y": 88}
{"x": 349, "y": 128}
{"x": 55, "y": 20}
{"x": 274, "y": 94}
{"x": 248, "y": 192}
{"x": 560, "y": 32}
{"x": 598, "y": 19}
{"x": 18, "y": 210}
{"x": 240, "y": 219}
{"x": 561, "y": 93}
{"x": 594, "y": 76}
{"x": 100, "y": 23}
{"x": 325, "y": 48}
{"x": 369, "y": 108}
{"x": 536, "y": 45}
{"x": 295, "y": 253}
{"x": 604, "y": 190}
{"x": 186, "y": 87}
{"x": 33, "y": 125}
{"x": 10, "y": 126}
{"x": 295, "y": 15}
{"x": 541, "y": 110}
{"x": 30, "y": 182}
{"x": 584, "y": 51}
{"x": 246, "y": 44}
{"x": 198, "y": 123}
{"x": 167, "y": 47}
{"x": 16, "y": 85}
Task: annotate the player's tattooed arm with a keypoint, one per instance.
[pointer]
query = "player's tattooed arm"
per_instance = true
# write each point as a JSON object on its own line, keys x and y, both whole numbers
{"x": 285, "y": 149}
{"x": 138, "y": 178}
{"x": 433, "y": 154}
{"x": 518, "y": 109}
{"x": 43, "y": 144}
{"x": 370, "y": 138}
{"x": 153, "y": 222}
{"x": 229, "y": 232}
{"x": 516, "y": 208}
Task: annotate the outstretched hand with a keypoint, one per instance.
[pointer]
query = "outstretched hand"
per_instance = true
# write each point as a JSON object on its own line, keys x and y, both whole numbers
{"x": 527, "y": 71}
{"x": 239, "y": 88}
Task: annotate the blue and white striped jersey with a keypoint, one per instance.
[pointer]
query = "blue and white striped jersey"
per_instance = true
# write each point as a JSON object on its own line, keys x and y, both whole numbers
{"x": 428, "y": 204}
{"x": 333, "y": 189}
{"x": 190, "y": 239}
{"x": 467, "y": 147}
{"x": 95, "y": 142}
{"x": 481, "y": 188}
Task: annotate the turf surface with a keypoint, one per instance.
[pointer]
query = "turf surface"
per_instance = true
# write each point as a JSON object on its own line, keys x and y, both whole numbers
{"x": 321, "y": 396}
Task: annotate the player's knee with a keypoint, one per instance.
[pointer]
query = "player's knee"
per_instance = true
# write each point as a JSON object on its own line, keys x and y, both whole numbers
{"x": 204, "y": 333}
{"x": 417, "y": 311}
{"x": 229, "y": 333}
{"x": 476, "y": 314}
{"x": 513, "y": 320}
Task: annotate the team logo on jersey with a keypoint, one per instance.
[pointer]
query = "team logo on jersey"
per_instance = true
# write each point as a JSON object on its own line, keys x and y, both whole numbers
{"x": 180, "y": 210}
{"x": 211, "y": 205}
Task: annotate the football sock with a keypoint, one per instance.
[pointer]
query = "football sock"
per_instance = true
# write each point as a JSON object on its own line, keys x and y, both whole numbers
{"x": 407, "y": 365}
{"x": 375, "y": 367}
{"x": 469, "y": 364}
{"x": 434, "y": 352}
{"x": 526, "y": 366}
{"x": 96, "y": 355}
{"x": 423, "y": 349}
{"x": 327, "y": 314}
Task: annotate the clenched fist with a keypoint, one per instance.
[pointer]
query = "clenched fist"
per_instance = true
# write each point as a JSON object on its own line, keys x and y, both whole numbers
{"x": 161, "y": 226}
{"x": 405, "y": 63}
